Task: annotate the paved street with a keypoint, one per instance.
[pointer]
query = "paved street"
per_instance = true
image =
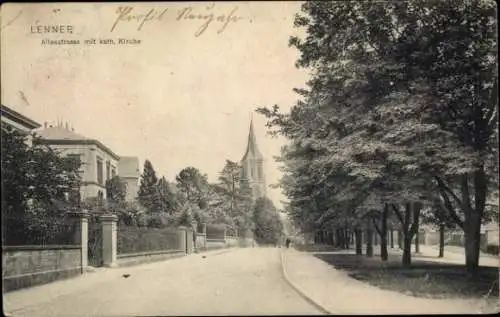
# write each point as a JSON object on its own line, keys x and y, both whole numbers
{"x": 239, "y": 281}
{"x": 236, "y": 281}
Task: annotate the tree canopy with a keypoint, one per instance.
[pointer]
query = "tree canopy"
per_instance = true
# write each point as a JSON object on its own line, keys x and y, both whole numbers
{"x": 401, "y": 104}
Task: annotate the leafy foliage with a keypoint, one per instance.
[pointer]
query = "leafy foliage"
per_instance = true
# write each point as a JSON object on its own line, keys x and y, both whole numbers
{"x": 116, "y": 189}
{"x": 148, "y": 193}
{"x": 232, "y": 198}
{"x": 401, "y": 105}
{"x": 36, "y": 187}
{"x": 166, "y": 197}
{"x": 268, "y": 225}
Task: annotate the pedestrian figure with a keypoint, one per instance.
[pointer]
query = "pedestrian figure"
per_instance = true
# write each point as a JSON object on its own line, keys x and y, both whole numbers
{"x": 287, "y": 243}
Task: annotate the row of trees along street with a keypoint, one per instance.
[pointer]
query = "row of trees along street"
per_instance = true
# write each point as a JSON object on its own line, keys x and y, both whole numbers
{"x": 228, "y": 202}
{"x": 398, "y": 122}
{"x": 39, "y": 185}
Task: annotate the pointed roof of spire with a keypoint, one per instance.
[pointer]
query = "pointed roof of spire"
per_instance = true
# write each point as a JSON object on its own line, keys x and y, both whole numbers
{"x": 252, "y": 148}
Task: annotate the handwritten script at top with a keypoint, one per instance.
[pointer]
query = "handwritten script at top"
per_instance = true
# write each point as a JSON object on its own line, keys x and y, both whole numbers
{"x": 205, "y": 16}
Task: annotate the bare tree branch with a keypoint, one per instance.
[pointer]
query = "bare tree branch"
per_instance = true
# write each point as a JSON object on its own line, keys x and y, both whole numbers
{"x": 448, "y": 206}
{"x": 398, "y": 213}
{"x": 443, "y": 185}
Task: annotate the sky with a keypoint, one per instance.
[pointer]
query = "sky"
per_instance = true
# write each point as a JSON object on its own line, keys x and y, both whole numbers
{"x": 181, "y": 97}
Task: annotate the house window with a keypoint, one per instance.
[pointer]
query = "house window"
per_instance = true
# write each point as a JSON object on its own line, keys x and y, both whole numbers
{"x": 108, "y": 170}
{"x": 99, "y": 171}
{"x": 113, "y": 171}
{"x": 78, "y": 159}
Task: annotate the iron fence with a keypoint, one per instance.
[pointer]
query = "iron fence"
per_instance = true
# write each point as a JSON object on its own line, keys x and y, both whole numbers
{"x": 215, "y": 232}
{"x": 40, "y": 232}
{"x": 142, "y": 239}
{"x": 95, "y": 243}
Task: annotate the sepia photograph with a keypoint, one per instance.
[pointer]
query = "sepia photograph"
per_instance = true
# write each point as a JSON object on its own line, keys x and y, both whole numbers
{"x": 249, "y": 158}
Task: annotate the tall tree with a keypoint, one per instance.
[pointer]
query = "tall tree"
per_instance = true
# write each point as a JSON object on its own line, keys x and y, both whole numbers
{"x": 36, "y": 185}
{"x": 166, "y": 197}
{"x": 194, "y": 192}
{"x": 268, "y": 225}
{"x": 148, "y": 194}
{"x": 229, "y": 179}
{"x": 15, "y": 158}
{"x": 116, "y": 189}
{"x": 385, "y": 96}
{"x": 192, "y": 184}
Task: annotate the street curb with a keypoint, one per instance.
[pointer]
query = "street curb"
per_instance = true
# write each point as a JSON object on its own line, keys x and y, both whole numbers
{"x": 299, "y": 290}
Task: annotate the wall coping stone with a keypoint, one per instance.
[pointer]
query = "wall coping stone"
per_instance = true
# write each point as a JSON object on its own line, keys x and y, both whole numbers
{"x": 138, "y": 254}
{"x": 78, "y": 214}
{"x": 109, "y": 217}
{"x": 216, "y": 240}
{"x": 39, "y": 247}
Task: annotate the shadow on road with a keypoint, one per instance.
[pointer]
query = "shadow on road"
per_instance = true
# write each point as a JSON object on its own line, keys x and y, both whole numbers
{"x": 423, "y": 278}
{"x": 316, "y": 248}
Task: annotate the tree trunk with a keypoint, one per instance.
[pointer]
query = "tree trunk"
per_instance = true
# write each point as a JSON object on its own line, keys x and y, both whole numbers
{"x": 472, "y": 244}
{"x": 358, "y": 234}
{"x": 384, "y": 255}
{"x": 339, "y": 238}
{"x": 417, "y": 242}
{"x": 407, "y": 250}
{"x": 346, "y": 240}
{"x": 473, "y": 216}
{"x": 369, "y": 242}
{"x": 392, "y": 238}
{"x": 400, "y": 239}
{"x": 441, "y": 240}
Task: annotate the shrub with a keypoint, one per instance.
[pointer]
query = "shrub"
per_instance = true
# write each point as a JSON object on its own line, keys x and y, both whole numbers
{"x": 492, "y": 249}
{"x": 161, "y": 221}
{"x": 134, "y": 239}
{"x": 142, "y": 220}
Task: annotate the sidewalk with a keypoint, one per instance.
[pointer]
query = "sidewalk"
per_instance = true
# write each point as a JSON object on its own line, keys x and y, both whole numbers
{"x": 451, "y": 255}
{"x": 94, "y": 277}
{"x": 335, "y": 291}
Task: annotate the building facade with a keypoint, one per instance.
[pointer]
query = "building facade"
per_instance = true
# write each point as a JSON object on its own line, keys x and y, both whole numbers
{"x": 252, "y": 164}
{"x": 128, "y": 167}
{"x": 99, "y": 163}
{"x": 19, "y": 122}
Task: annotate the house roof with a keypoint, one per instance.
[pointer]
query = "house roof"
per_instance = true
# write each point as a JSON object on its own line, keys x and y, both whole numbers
{"x": 19, "y": 118}
{"x": 60, "y": 135}
{"x": 128, "y": 166}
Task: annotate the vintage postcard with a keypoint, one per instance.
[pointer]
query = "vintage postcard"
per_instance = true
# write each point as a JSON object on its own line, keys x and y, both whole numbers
{"x": 249, "y": 158}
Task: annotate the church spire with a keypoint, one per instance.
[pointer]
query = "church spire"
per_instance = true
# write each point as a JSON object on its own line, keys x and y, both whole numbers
{"x": 252, "y": 165}
{"x": 252, "y": 148}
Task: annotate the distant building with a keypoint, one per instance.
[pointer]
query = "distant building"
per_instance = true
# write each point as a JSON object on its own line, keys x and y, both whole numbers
{"x": 99, "y": 163}
{"x": 128, "y": 167}
{"x": 18, "y": 122}
{"x": 253, "y": 166}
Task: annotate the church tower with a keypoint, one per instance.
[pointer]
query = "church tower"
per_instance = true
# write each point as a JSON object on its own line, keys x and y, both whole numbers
{"x": 253, "y": 166}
